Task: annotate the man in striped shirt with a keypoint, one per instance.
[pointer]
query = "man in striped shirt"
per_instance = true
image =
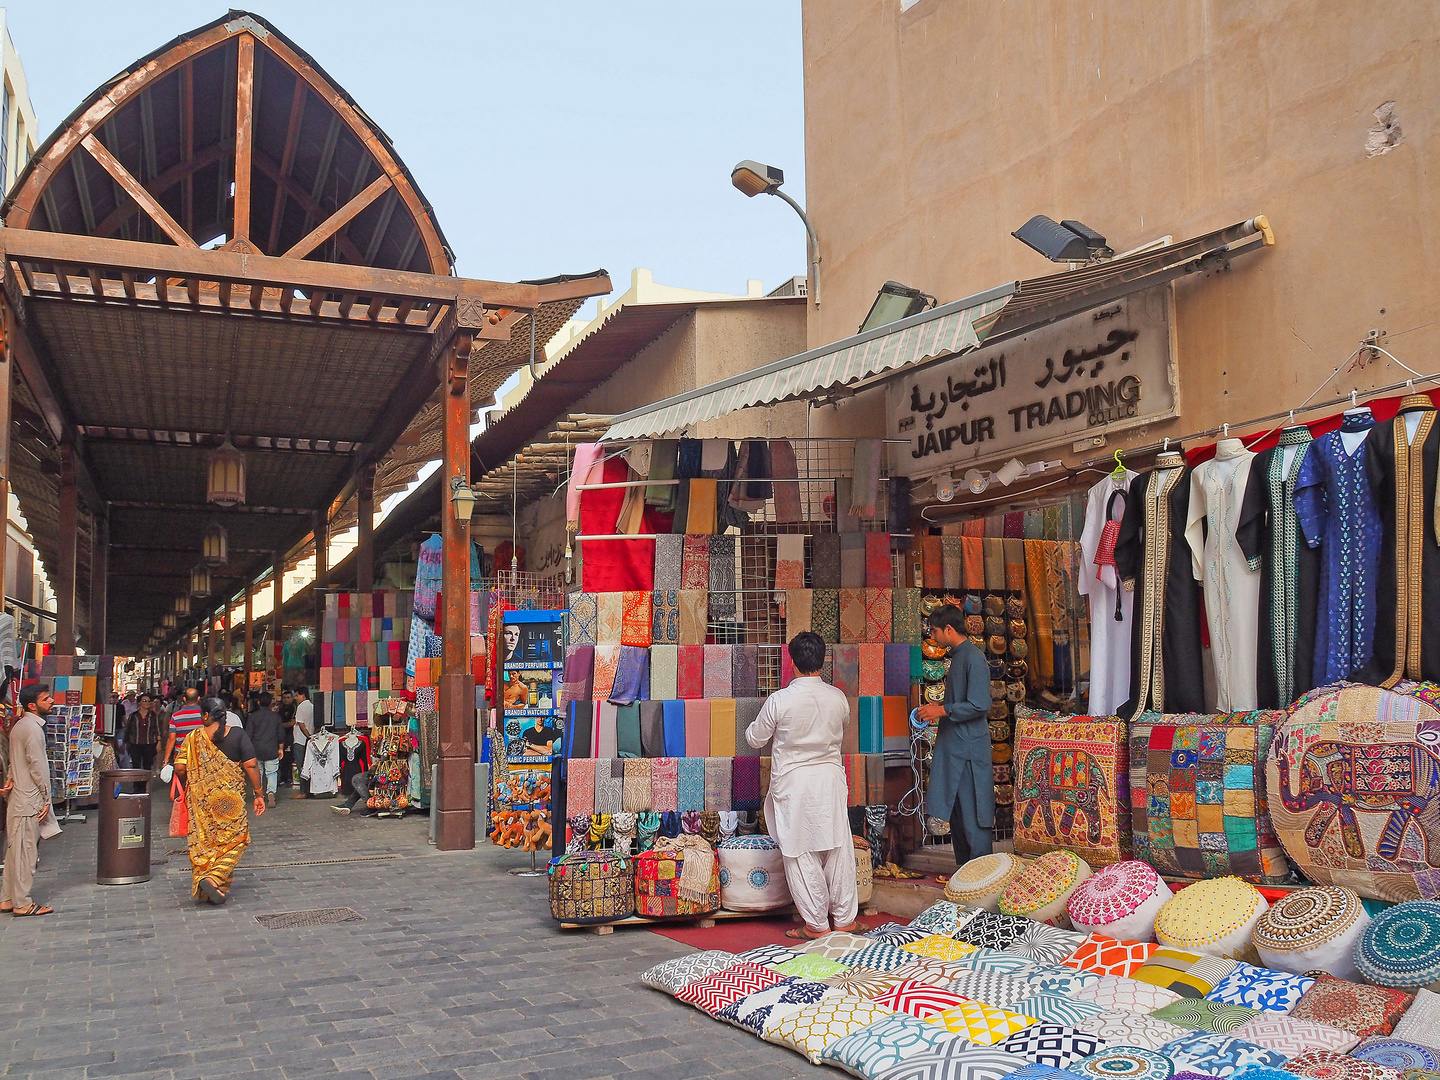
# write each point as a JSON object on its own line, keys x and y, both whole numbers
{"x": 187, "y": 717}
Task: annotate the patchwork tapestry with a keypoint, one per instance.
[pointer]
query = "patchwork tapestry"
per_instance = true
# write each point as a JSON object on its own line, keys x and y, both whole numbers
{"x": 1072, "y": 786}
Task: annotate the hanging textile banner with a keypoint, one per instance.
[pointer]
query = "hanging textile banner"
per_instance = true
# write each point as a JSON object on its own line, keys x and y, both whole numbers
{"x": 1102, "y": 371}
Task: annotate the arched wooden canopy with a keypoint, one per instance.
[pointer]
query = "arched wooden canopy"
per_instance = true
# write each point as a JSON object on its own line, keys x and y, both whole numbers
{"x": 218, "y": 241}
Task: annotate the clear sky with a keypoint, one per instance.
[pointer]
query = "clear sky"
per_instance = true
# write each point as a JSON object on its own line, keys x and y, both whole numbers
{"x": 551, "y": 137}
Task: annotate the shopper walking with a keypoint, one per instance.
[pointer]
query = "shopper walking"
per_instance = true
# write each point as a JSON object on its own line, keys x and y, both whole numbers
{"x": 805, "y": 809}
{"x": 27, "y": 795}
{"x": 263, "y": 727}
{"x": 142, "y": 733}
{"x": 304, "y": 728}
{"x": 962, "y": 785}
{"x": 187, "y": 717}
{"x": 214, "y": 762}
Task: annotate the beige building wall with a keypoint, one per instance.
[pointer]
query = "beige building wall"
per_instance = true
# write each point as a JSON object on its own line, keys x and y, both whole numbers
{"x": 933, "y": 131}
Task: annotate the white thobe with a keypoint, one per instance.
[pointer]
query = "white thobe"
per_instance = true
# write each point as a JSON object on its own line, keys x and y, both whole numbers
{"x": 805, "y": 808}
{"x": 1109, "y": 638}
{"x": 1230, "y": 579}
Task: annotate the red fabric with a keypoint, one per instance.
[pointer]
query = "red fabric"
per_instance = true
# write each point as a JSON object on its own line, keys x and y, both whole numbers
{"x": 616, "y": 565}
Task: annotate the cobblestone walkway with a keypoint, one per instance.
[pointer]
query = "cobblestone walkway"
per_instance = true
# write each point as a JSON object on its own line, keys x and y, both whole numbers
{"x": 456, "y": 970}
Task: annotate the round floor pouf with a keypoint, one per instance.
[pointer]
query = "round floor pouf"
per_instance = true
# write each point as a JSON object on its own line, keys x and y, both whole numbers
{"x": 1400, "y": 948}
{"x": 1312, "y": 929}
{"x": 864, "y": 871}
{"x": 1119, "y": 901}
{"x": 979, "y": 883}
{"x": 1041, "y": 890}
{"x": 752, "y": 874}
{"x": 1213, "y": 917}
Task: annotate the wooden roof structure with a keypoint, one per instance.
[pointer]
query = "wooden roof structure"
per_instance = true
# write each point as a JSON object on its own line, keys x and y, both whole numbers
{"x": 219, "y": 241}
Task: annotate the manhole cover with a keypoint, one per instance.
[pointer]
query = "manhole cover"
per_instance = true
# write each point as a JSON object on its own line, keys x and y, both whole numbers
{"x": 327, "y": 916}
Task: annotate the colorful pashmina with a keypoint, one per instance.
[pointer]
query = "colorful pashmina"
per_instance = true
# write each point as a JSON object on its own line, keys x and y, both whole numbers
{"x": 652, "y": 728}
{"x": 974, "y": 557}
{"x": 790, "y": 562}
{"x": 905, "y": 615}
{"x": 797, "y": 611}
{"x": 722, "y": 577}
{"x": 932, "y": 550}
{"x": 783, "y": 467}
{"x": 219, "y": 818}
{"x": 630, "y": 675}
{"x": 669, "y": 558}
{"x": 852, "y": 615}
{"x": 879, "y": 573}
{"x": 635, "y": 626}
{"x": 872, "y": 669}
{"x": 694, "y": 616}
{"x": 877, "y": 615}
{"x": 665, "y": 616}
{"x": 695, "y": 562}
{"x": 718, "y": 783}
{"x": 746, "y": 710}
{"x": 609, "y": 788}
{"x": 690, "y": 671}
{"x": 583, "y": 618}
{"x": 722, "y": 728}
{"x": 697, "y": 728}
{"x": 718, "y": 671}
{"x": 664, "y": 671}
{"x": 825, "y": 614}
{"x": 580, "y": 787}
{"x": 745, "y": 784}
{"x": 579, "y": 679}
{"x": 664, "y": 785}
{"x": 846, "y": 674}
{"x": 691, "y": 784}
{"x": 611, "y": 621}
{"x": 744, "y": 670}
{"x": 852, "y": 560}
{"x": 952, "y": 561}
{"x": 700, "y": 510}
{"x": 825, "y": 561}
{"x": 607, "y": 660}
{"x": 635, "y": 790}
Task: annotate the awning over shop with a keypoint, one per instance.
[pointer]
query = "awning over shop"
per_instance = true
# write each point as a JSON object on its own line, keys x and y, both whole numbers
{"x": 1006, "y": 311}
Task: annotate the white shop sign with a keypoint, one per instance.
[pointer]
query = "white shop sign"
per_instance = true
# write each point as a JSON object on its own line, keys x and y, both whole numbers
{"x": 1095, "y": 373}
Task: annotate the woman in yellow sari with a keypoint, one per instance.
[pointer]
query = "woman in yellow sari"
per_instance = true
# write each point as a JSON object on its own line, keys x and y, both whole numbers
{"x": 214, "y": 761}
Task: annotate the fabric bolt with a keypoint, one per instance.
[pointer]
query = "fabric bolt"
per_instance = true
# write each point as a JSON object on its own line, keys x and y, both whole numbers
{"x": 665, "y": 616}
{"x": 697, "y": 728}
{"x": 722, "y": 728}
{"x": 1131, "y": 995}
{"x": 1056, "y": 1045}
{"x": 1260, "y": 988}
{"x": 886, "y": 1044}
{"x": 719, "y": 670}
{"x": 1397, "y": 1054}
{"x": 813, "y": 1028}
{"x": 582, "y": 618}
{"x": 1055, "y": 1008}
{"x": 1219, "y": 1055}
{"x": 1291, "y": 1036}
{"x": 672, "y": 976}
{"x": 690, "y": 784}
{"x": 1122, "y": 1027}
{"x": 1200, "y": 1014}
{"x": 694, "y": 616}
{"x": 754, "y": 1011}
{"x": 610, "y": 607}
{"x": 983, "y": 1024}
{"x": 717, "y": 783}
{"x": 1124, "y": 1063}
{"x": 992, "y": 987}
{"x": 1329, "y": 1065}
{"x": 744, "y": 670}
{"x": 1355, "y": 1007}
{"x": 952, "y": 562}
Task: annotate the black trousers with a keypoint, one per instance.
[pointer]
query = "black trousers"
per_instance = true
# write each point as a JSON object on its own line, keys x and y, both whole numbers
{"x": 287, "y": 770}
{"x": 142, "y": 757}
{"x": 299, "y": 754}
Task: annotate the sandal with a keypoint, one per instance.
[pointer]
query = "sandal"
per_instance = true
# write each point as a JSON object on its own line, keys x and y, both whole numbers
{"x": 853, "y": 928}
{"x": 212, "y": 892}
{"x": 6, "y": 909}
{"x": 33, "y": 909}
{"x": 803, "y": 933}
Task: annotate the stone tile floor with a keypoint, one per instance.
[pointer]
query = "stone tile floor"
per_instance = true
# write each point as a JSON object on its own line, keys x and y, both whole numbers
{"x": 456, "y": 971}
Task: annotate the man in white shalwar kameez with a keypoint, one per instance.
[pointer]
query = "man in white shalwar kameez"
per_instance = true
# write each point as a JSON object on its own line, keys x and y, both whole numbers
{"x": 805, "y": 808}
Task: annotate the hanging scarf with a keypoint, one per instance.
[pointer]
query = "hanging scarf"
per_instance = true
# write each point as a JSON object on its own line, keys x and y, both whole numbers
{"x": 624, "y": 827}
{"x": 646, "y": 826}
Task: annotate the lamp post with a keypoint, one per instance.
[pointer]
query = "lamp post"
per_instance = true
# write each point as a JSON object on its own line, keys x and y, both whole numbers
{"x": 751, "y": 178}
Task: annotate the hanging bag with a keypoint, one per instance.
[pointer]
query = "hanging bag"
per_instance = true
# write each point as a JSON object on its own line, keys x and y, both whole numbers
{"x": 179, "y": 809}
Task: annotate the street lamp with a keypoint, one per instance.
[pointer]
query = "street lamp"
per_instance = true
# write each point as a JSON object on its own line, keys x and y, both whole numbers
{"x": 462, "y": 500}
{"x": 751, "y": 178}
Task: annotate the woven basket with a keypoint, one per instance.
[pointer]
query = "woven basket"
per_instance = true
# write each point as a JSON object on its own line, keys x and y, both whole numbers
{"x": 591, "y": 887}
{"x": 864, "y": 871}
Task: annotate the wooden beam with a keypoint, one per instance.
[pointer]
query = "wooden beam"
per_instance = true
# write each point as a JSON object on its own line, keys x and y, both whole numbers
{"x": 287, "y": 161}
{"x": 160, "y": 184}
{"x": 206, "y": 508}
{"x": 65, "y": 531}
{"x": 187, "y": 146}
{"x": 138, "y": 192}
{"x": 342, "y": 217}
{"x": 306, "y": 202}
{"x": 280, "y": 444}
{"x": 244, "y": 134}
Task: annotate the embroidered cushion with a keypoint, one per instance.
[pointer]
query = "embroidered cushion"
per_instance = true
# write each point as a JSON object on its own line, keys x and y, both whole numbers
{"x": 1124, "y": 1063}
{"x": 979, "y": 883}
{"x": 1055, "y": 1009}
{"x": 1353, "y": 770}
{"x": 1219, "y": 1055}
{"x": 1261, "y": 988}
{"x": 1328, "y": 1065}
{"x": 811, "y": 1028}
{"x": 958, "y": 1061}
{"x": 810, "y": 966}
{"x": 657, "y": 886}
{"x": 1213, "y": 917}
{"x": 941, "y": 917}
{"x": 1055, "y": 1045}
{"x": 1113, "y": 992}
{"x": 886, "y": 1043}
{"x": 1170, "y": 968}
{"x": 1312, "y": 929}
{"x": 591, "y": 887}
{"x": 1365, "y": 1010}
{"x": 1043, "y": 887}
{"x": 991, "y": 930}
{"x": 1119, "y": 901}
{"x": 1106, "y": 956}
{"x": 1397, "y": 1054}
{"x": 938, "y": 946}
{"x": 1401, "y": 947}
{"x": 675, "y": 975}
{"x": 867, "y": 984}
{"x": 752, "y": 874}
{"x": 981, "y": 1023}
{"x": 834, "y": 945}
{"x": 1421, "y": 1022}
{"x": 714, "y": 992}
{"x": 1197, "y": 786}
{"x": 1201, "y": 1015}
{"x": 1291, "y": 1036}
{"x": 920, "y": 999}
{"x": 1059, "y": 980}
{"x": 769, "y": 954}
{"x": 1121, "y": 1028}
{"x": 880, "y": 956}
{"x": 992, "y": 987}
{"x": 1045, "y": 944}
{"x": 1072, "y": 786}
{"x": 753, "y": 1011}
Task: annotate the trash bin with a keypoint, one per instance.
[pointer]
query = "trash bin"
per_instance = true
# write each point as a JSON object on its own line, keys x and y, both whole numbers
{"x": 124, "y": 833}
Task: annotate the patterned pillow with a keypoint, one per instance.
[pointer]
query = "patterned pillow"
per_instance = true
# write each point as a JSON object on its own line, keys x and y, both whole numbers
{"x": 1124, "y": 1063}
{"x": 834, "y": 945}
{"x": 1132, "y": 995}
{"x": 675, "y": 975}
{"x": 880, "y": 956}
{"x": 992, "y": 987}
{"x": 1291, "y": 1036}
{"x": 1121, "y": 1028}
{"x": 992, "y": 930}
{"x": 1219, "y": 1055}
{"x": 809, "y": 966}
{"x": 866, "y": 984}
{"x": 768, "y": 954}
{"x": 1422, "y": 1020}
{"x": 886, "y": 929}
{"x": 1261, "y": 988}
{"x": 885, "y": 1044}
{"x": 994, "y": 960}
{"x": 1328, "y": 1065}
{"x": 918, "y": 999}
{"x": 811, "y": 1028}
{"x": 1397, "y": 1054}
{"x": 1171, "y": 969}
{"x": 1040, "y": 1072}
{"x": 1055, "y": 1009}
{"x": 1106, "y": 956}
{"x": 1365, "y": 1010}
{"x": 1199, "y": 1014}
{"x": 753, "y": 1011}
{"x": 958, "y": 1062}
{"x": 981, "y": 1023}
{"x": 940, "y": 972}
{"x": 1259, "y": 1072}
{"x": 1047, "y": 944}
{"x": 714, "y": 992}
{"x": 1059, "y": 980}
{"x": 939, "y": 946}
{"x": 1053, "y": 1044}
{"x": 902, "y": 936}
{"x": 941, "y": 917}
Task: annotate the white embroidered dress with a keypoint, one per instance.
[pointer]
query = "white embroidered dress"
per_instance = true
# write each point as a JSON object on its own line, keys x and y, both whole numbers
{"x": 1109, "y": 639}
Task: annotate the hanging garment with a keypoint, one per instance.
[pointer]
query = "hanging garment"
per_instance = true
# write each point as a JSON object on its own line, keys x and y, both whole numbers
{"x": 1400, "y": 458}
{"x": 1336, "y": 509}
{"x": 1223, "y": 531}
{"x": 1289, "y": 578}
{"x": 1111, "y": 607}
{"x": 1166, "y": 663}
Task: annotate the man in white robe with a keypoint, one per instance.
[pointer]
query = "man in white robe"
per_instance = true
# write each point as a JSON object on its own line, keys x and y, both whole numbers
{"x": 805, "y": 808}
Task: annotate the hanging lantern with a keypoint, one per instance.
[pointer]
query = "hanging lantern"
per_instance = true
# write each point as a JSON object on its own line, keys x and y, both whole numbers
{"x": 226, "y": 485}
{"x": 215, "y": 547}
{"x": 200, "y": 581}
{"x": 182, "y": 605}
{"x": 167, "y": 621}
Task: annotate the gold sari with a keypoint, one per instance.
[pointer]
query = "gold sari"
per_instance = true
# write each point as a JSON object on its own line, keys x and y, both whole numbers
{"x": 219, "y": 824}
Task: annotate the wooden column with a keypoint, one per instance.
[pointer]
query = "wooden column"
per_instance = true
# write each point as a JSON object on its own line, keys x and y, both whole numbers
{"x": 6, "y": 367}
{"x": 455, "y": 830}
{"x": 99, "y": 581}
{"x": 65, "y": 564}
{"x": 365, "y": 541}
{"x": 249, "y": 634}
{"x": 322, "y": 573}
{"x": 212, "y": 642}
{"x": 277, "y": 617}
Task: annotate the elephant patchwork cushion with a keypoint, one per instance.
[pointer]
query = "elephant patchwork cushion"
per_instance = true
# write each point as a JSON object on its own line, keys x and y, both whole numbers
{"x": 1354, "y": 788}
{"x": 1198, "y": 796}
{"x": 1072, "y": 786}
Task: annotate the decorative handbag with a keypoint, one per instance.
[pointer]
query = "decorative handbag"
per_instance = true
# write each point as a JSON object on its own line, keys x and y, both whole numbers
{"x": 179, "y": 809}
{"x": 590, "y": 887}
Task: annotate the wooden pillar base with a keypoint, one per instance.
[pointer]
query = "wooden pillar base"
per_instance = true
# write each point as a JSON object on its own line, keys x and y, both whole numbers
{"x": 455, "y": 830}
